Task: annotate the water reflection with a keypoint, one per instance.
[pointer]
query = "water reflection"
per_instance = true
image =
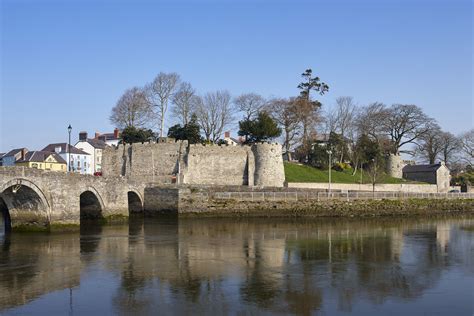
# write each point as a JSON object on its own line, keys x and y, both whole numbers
{"x": 243, "y": 266}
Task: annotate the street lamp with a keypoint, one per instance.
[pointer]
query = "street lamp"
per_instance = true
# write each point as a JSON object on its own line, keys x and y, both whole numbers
{"x": 330, "y": 160}
{"x": 68, "y": 155}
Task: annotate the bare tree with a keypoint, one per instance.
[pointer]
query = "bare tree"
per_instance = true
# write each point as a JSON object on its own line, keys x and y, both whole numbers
{"x": 184, "y": 102}
{"x": 345, "y": 114}
{"x": 250, "y": 104}
{"x": 285, "y": 113}
{"x": 214, "y": 113}
{"x": 159, "y": 93}
{"x": 429, "y": 145}
{"x": 467, "y": 146}
{"x": 330, "y": 121}
{"x": 450, "y": 145}
{"x": 132, "y": 109}
{"x": 370, "y": 118}
{"x": 404, "y": 124}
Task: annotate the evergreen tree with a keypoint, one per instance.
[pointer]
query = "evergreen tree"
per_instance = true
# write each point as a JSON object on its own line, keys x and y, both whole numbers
{"x": 260, "y": 129}
{"x": 189, "y": 132}
{"x": 131, "y": 135}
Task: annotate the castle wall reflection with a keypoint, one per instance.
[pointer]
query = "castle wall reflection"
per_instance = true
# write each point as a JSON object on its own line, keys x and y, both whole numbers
{"x": 227, "y": 266}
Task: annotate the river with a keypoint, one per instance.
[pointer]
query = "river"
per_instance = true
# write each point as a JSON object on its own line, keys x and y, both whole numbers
{"x": 383, "y": 266}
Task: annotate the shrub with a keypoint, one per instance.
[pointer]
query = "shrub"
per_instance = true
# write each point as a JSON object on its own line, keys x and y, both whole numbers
{"x": 341, "y": 166}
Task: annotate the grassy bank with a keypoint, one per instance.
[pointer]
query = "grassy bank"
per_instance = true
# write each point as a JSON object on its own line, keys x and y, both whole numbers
{"x": 301, "y": 173}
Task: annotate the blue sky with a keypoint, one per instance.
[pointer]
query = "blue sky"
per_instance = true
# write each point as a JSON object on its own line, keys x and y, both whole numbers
{"x": 67, "y": 62}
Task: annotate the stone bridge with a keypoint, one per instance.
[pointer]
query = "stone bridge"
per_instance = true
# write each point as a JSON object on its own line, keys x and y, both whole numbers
{"x": 31, "y": 196}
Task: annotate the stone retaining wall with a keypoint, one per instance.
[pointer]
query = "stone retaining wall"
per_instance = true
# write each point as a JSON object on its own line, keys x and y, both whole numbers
{"x": 402, "y": 187}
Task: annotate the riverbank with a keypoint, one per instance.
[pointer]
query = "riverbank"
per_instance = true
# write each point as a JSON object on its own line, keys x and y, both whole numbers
{"x": 329, "y": 208}
{"x": 185, "y": 202}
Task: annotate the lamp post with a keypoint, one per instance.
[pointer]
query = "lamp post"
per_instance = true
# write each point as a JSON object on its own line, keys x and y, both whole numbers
{"x": 68, "y": 155}
{"x": 330, "y": 160}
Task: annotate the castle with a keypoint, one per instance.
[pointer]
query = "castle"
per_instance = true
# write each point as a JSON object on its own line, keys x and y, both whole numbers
{"x": 167, "y": 162}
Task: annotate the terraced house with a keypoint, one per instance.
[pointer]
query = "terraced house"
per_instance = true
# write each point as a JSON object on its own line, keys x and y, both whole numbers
{"x": 43, "y": 160}
{"x": 77, "y": 160}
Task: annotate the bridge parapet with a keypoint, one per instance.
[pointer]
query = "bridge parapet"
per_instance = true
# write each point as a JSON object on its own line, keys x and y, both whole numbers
{"x": 43, "y": 197}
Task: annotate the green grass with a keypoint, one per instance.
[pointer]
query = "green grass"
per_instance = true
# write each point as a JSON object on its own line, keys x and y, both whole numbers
{"x": 301, "y": 173}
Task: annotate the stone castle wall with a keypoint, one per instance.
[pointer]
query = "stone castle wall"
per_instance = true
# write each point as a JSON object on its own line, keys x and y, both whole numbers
{"x": 259, "y": 164}
{"x": 219, "y": 165}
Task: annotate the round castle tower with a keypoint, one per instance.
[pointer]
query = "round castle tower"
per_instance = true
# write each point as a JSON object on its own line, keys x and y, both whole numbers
{"x": 269, "y": 170}
{"x": 394, "y": 166}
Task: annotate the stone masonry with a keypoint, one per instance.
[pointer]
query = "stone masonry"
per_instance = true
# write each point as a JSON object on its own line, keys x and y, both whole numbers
{"x": 32, "y": 196}
{"x": 257, "y": 165}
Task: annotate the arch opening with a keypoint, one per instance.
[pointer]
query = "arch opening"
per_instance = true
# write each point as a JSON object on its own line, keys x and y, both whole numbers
{"x": 90, "y": 207}
{"x": 135, "y": 205}
{"x": 21, "y": 205}
{"x": 5, "y": 222}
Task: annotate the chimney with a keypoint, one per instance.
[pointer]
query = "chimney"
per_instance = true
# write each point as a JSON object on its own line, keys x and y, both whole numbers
{"x": 83, "y": 136}
{"x": 226, "y": 134}
{"x": 23, "y": 153}
{"x": 97, "y": 134}
{"x": 116, "y": 133}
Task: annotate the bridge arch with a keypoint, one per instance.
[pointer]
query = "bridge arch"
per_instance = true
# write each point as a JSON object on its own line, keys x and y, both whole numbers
{"x": 135, "y": 202}
{"x": 91, "y": 204}
{"x": 22, "y": 203}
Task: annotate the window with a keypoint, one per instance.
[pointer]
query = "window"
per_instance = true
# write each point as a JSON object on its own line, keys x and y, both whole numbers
{"x": 34, "y": 165}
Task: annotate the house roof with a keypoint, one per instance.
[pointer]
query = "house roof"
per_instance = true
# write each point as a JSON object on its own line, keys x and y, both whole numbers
{"x": 41, "y": 156}
{"x": 72, "y": 149}
{"x": 108, "y": 136}
{"x": 96, "y": 143}
{"x": 421, "y": 168}
{"x": 13, "y": 152}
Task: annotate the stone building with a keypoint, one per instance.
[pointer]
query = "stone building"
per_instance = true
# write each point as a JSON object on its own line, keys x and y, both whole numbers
{"x": 435, "y": 174}
{"x": 166, "y": 162}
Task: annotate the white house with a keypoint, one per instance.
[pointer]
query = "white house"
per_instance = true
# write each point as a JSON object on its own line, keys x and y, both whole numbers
{"x": 94, "y": 148}
{"x": 232, "y": 141}
{"x": 77, "y": 160}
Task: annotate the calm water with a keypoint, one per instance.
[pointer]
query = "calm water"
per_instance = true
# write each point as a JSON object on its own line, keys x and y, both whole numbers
{"x": 229, "y": 266}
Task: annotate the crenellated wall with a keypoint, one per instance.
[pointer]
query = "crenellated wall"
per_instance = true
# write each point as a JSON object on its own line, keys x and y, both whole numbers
{"x": 259, "y": 164}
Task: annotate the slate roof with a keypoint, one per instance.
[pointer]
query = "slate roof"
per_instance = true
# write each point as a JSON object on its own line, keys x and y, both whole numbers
{"x": 73, "y": 150}
{"x": 108, "y": 136}
{"x": 97, "y": 143}
{"x": 421, "y": 168}
{"x": 41, "y": 156}
{"x": 13, "y": 152}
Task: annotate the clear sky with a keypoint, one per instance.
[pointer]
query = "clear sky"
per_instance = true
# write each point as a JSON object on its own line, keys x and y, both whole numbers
{"x": 67, "y": 62}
